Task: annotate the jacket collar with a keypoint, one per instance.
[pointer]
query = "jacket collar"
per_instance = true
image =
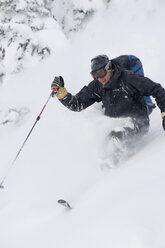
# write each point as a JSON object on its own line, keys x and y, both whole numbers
{"x": 113, "y": 82}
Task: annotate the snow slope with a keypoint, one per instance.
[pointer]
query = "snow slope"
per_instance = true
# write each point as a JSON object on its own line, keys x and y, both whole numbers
{"x": 121, "y": 207}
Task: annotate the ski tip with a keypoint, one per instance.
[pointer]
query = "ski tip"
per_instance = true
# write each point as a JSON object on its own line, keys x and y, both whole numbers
{"x": 64, "y": 203}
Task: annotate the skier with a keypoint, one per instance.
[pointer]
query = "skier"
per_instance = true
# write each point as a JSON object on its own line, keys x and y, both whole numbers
{"x": 121, "y": 92}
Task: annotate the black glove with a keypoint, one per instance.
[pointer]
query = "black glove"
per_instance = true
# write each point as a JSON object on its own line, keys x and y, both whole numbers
{"x": 163, "y": 123}
{"x": 57, "y": 83}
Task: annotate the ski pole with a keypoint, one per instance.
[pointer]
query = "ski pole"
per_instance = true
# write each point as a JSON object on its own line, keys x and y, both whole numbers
{"x": 37, "y": 119}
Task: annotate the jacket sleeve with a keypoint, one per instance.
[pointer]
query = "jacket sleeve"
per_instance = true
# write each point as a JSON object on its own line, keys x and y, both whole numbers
{"x": 146, "y": 87}
{"x": 83, "y": 99}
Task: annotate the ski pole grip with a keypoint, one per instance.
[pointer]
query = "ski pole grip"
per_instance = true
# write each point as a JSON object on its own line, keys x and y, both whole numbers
{"x": 54, "y": 92}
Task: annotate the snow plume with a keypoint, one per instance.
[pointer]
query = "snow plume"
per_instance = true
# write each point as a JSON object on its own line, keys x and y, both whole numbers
{"x": 25, "y": 29}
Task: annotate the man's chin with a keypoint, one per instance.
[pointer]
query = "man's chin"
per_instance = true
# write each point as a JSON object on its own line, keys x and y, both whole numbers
{"x": 103, "y": 82}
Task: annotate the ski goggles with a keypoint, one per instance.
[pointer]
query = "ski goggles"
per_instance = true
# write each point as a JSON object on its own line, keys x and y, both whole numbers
{"x": 99, "y": 74}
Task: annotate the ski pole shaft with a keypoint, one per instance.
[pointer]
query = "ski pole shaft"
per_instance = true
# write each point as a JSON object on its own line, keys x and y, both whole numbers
{"x": 37, "y": 119}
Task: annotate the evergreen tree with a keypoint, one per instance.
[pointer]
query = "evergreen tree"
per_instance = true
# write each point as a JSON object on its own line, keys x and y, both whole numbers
{"x": 20, "y": 22}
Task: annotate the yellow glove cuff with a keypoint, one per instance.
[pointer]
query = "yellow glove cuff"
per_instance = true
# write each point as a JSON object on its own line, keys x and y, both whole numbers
{"x": 62, "y": 92}
{"x": 163, "y": 114}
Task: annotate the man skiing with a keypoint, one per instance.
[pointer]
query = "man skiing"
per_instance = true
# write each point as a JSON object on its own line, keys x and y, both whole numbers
{"x": 121, "y": 92}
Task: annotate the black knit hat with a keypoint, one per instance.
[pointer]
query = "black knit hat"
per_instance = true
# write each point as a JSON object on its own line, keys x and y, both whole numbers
{"x": 100, "y": 62}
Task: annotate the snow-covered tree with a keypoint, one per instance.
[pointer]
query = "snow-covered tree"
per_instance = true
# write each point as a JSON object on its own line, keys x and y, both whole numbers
{"x": 20, "y": 23}
{"x": 24, "y": 28}
{"x": 72, "y": 14}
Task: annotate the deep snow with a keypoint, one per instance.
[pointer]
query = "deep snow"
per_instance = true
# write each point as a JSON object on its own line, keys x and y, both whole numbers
{"x": 121, "y": 207}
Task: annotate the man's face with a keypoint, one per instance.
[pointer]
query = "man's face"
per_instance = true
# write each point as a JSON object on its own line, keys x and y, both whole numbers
{"x": 106, "y": 78}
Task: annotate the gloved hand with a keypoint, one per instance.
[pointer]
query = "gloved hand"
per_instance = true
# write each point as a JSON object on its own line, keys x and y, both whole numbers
{"x": 57, "y": 87}
{"x": 57, "y": 83}
{"x": 163, "y": 123}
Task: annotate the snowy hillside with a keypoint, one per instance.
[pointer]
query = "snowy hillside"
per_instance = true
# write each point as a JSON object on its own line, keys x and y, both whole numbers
{"x": 119, "y": 207}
